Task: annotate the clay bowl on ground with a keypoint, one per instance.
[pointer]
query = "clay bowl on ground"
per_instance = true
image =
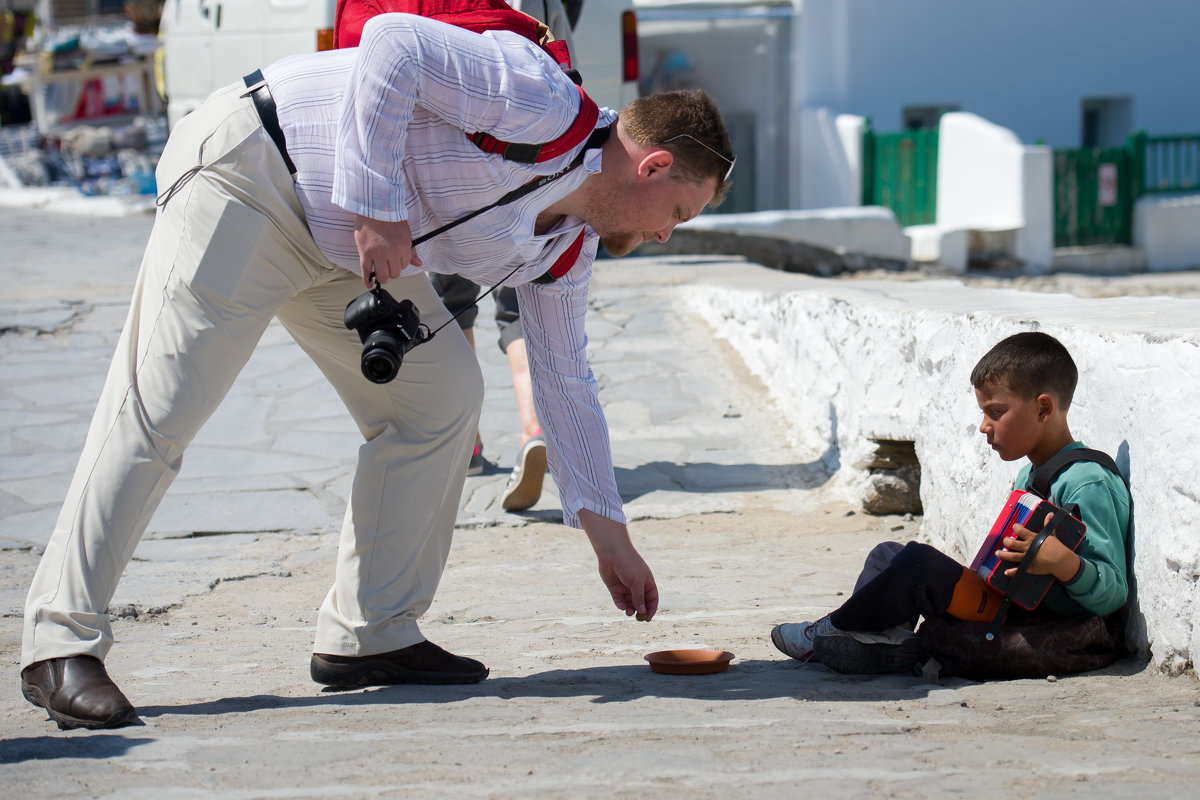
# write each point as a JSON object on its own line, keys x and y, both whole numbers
{"x": 689, "y": 662}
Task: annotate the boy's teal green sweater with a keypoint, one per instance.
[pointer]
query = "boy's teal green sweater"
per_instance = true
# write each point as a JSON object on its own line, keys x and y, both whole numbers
{"x": 1102, "y": 587}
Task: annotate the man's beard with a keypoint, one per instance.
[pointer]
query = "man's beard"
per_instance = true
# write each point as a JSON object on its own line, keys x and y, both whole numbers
{"x": 620, "y": 244}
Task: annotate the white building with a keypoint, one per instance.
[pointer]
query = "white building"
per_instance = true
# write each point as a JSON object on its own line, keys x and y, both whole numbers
{"x": 1069, "y": 73}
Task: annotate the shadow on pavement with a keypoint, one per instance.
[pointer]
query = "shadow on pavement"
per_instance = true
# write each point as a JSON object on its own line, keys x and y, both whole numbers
{"x": 87, "y": 744}
{"x": 706, "y": 477}
{"x": 747, "y": 680}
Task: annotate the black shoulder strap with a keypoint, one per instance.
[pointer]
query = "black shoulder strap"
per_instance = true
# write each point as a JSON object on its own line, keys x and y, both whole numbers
{"x": 1039, "y": 484}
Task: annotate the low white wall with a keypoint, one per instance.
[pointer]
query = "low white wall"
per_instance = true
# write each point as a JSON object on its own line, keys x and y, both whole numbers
{"x": 944, "y": 247}
{"x": 851, "y": 361}
{"x": 872, "y": 230}
{"x": 830, "y": 159}
{"x": 988, "y": 180}
{"x": 1167, "y": 229}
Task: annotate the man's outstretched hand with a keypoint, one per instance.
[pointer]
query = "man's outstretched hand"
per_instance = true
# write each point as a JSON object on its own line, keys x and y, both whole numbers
{"x": 622, "y": 569}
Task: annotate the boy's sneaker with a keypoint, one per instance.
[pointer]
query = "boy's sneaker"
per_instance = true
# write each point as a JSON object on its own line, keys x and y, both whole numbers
{"x": 857, "y": 653}
{"x": 796, "y": 638}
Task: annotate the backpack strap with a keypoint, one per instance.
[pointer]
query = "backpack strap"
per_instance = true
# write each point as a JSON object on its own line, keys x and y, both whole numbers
{"x": 1039, "y": 484}
{"x": 562, "y": 265}
{"x": 576, "y": 134}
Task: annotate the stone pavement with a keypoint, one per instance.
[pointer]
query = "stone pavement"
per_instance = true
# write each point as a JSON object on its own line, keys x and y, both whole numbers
{"x": 279, "y": 454}
{"x": 215, "y": 616}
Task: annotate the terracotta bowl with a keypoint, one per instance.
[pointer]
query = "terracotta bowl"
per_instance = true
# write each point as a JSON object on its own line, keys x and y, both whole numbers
{"x": 689, "y": 662}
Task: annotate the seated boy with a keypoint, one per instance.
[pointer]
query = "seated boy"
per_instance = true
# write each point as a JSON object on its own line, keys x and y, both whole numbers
{"x": 1024, "y": 387}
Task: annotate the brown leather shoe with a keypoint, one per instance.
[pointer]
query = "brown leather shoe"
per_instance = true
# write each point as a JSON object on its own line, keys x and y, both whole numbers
{"x": 423, "y": 662}
{"x": 77, "y": 693}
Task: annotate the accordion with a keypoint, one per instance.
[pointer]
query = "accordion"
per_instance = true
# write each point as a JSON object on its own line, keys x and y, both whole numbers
{"x": 1030, "y": 510}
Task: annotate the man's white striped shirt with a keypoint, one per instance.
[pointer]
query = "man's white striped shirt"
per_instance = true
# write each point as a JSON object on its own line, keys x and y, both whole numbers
{"x": 380, "y": 131}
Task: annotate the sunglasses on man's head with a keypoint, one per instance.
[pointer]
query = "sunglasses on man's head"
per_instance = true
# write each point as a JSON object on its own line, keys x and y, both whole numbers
{"x": 728, "y": 161}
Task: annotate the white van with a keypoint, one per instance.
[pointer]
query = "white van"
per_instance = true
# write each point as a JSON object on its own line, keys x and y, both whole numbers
{"x": 210, "y": 43}
{"x": 605, "y": 51}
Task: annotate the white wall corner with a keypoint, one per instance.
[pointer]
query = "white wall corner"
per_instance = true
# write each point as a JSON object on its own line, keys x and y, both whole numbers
{"x": 830, "y": 159}
{"x": 1035, "y": 240}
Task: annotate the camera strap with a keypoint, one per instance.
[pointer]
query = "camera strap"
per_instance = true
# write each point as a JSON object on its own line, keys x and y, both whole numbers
{"x": 598, "y": 137}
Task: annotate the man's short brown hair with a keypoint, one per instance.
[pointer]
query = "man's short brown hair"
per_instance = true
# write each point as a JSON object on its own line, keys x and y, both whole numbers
{"x": 653, "y": 120}
{"x": 1029, "y": 364}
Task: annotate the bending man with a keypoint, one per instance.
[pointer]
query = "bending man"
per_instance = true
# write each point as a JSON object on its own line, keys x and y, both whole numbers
{"x": 283, "y": 196}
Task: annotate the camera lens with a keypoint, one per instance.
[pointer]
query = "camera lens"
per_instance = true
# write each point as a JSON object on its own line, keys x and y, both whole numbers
{"x": 380, "y": 366}
{"x": 381, "y": 357}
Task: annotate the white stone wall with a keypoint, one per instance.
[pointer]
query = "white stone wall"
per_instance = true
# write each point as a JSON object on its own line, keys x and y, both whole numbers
{"x": 872, "y": 230}
{"x": 830, "y": 160}
{"x": 988, "y": 180}
{"x": 1167, "y": 229}
{"x": 849, "y": 361}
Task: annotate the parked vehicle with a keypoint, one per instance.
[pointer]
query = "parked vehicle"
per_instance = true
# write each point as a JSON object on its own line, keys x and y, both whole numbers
{"x": 606, "y": 51}
{"x": 210, "y": 43}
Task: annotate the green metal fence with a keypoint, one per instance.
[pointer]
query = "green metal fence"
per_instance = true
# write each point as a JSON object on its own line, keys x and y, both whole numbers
{"x": 1168, "y": 163}
{"x": 1096, "y": 189}
{"x": 900, "y": 173}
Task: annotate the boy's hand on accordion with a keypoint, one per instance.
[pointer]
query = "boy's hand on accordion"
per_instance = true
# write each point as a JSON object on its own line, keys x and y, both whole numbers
{"x": 1053, "y": 558}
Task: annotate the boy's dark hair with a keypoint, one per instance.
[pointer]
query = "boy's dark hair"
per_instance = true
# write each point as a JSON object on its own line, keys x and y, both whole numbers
{"x": 1029, "y": 364}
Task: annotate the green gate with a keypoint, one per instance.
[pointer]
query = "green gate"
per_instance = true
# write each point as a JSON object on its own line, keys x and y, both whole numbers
{"x": 900, "y": 172}
{"x": 1093, "y": 196}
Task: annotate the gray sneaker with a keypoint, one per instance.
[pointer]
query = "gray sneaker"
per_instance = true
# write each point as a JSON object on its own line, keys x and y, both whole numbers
{"x": 857, "y": 653}
{"x": 796, "y": 638}
{"x": 524, "y": 487}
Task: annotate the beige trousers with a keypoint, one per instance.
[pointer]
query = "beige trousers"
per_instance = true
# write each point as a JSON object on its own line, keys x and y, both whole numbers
{"x": 229, "y": 251}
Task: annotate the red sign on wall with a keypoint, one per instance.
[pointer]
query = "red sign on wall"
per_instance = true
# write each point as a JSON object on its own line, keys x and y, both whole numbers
{"x": 1107, "y": 181}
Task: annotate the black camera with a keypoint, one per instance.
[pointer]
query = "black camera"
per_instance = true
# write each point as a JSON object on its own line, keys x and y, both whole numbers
{"x": 387, "y": 329}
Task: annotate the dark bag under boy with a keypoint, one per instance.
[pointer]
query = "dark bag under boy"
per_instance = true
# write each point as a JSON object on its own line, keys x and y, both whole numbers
{"x": 1032, "y": 646}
